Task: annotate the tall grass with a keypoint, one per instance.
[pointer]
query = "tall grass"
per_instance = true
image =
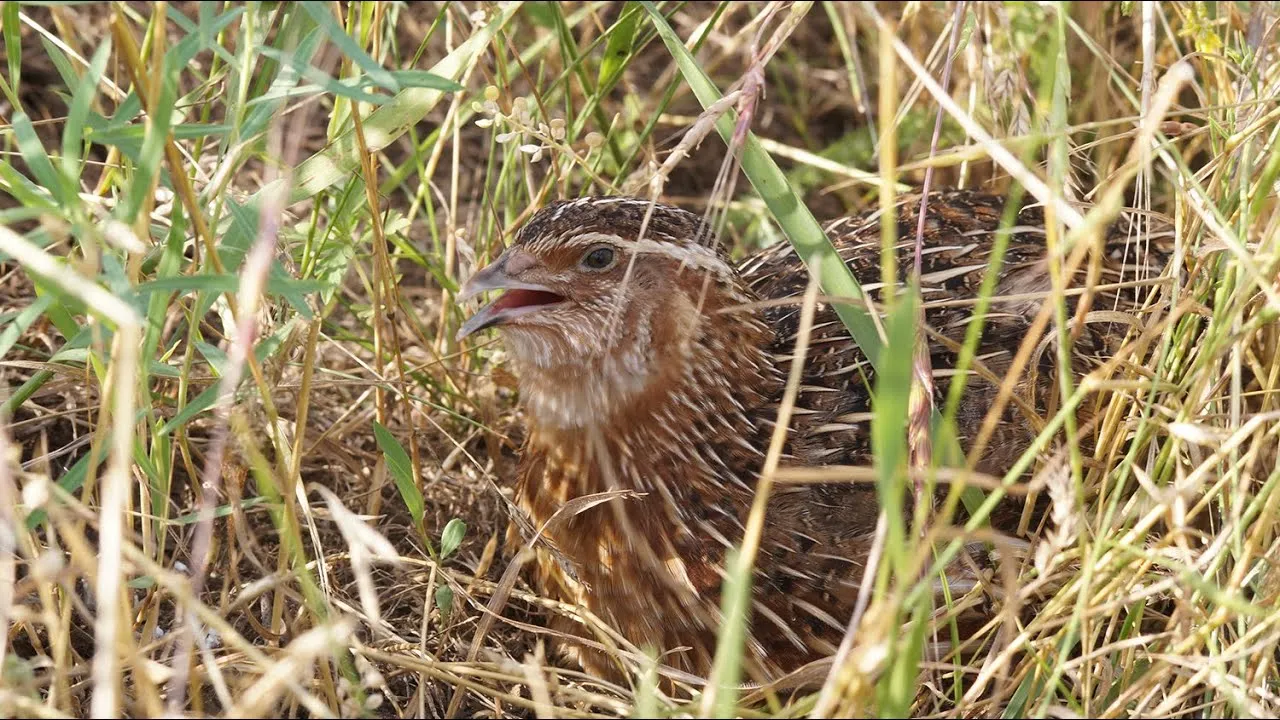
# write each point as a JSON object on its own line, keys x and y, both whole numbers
{"x": 245, "y": 468}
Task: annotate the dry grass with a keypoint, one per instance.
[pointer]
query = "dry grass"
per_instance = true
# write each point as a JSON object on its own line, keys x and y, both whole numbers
{"x": 245, "y": 469}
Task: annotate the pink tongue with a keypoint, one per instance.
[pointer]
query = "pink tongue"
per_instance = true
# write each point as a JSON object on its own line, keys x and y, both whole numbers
{"x": 524, "y": 298}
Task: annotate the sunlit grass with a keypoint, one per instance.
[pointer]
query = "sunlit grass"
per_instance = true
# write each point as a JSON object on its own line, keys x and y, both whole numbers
{"x": 245, "y": 467}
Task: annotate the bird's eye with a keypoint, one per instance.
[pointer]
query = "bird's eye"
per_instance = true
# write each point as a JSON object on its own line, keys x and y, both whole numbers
{"x": 600, "y": 258}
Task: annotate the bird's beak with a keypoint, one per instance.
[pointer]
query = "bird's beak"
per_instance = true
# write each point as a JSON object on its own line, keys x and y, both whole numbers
{"x": 491, "y": 277}
{"x": 521, "y": 297}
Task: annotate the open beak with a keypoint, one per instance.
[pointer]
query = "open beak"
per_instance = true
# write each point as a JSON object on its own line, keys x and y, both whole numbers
{"x": 520, "y": 298}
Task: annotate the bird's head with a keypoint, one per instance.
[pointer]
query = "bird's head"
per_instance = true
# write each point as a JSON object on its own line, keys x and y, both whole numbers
{"x": 603, "y": 299}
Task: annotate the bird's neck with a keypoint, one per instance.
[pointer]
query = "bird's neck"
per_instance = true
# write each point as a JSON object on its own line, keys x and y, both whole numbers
{"x": 683, "y": 419}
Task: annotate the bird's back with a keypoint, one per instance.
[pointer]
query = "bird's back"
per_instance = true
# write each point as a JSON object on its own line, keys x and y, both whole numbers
{"x": 819, "y": 533}
{"x": 697, "y": 489}
{"x": 960, "y": 234}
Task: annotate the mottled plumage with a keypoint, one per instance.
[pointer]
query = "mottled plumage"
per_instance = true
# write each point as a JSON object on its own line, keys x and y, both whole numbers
{"x": 661, "y": 373}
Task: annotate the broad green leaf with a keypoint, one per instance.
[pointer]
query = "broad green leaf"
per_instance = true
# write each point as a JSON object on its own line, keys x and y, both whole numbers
{"x": 401, "y": 472}
{"x": 543, "y": 14}
{"x": 144, "y": 463}
{"x": 123, "y": 130}
{"x": 62, "y": 310}
{"x": 293, "y": 291}
{"x": 621, "y": 37}
{"x": 264, "y": 349}
{"x": 240, "y": 231}
{"x": 263, "y": 106}
{"x": 155, "y": 367}
{"x": 60, "y": 62}
{"x": 213, "y": 355}
{"x": 444, "y": 601}
{"x": 128, "y": 110}
{"x": 16, "y": 215}
{"x": 80, "y": 339}
{"x": 332, "y": 265}
{"x": 451, "y": 537}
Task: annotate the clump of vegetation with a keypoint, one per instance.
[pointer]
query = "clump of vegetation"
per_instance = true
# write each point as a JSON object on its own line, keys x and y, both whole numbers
{"x": 246, "y": 469}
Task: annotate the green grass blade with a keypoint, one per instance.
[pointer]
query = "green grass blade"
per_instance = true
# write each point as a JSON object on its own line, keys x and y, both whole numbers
{"x": 202, "y": 34}
{"x": 203, "y": 402}
{"x": 259, "y": 111}
{"x": 425, "y": 79}
{"x": 788, "y": 208}
{"x": 24, "y": 191}
{"x": 72, "y": 480}
{"x": 61, "y": 63}
{"x": 227, "y": 283}
{"x": 890, "y": 410}
{"x": 735, "y": 604}
{"x": 337, "y": 162}
{"x": 78, "y": 113}
{"x": 15, "y": 326}
{"x": 217, "y": 360}
{"x": 299, "y": 63}
{"x": 12, "y": 50}
{"x": 323, "y": 16}
{"x": 38, "y": 160}
{"x": 151, "y": 160}
{"x": 900, "y": 683}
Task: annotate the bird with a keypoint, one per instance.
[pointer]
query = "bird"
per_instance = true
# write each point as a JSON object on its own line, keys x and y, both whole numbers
{"x": 651, "y": 368}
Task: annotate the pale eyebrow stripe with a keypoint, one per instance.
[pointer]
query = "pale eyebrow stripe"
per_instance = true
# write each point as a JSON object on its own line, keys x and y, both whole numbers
{"x": 689, "y": 254}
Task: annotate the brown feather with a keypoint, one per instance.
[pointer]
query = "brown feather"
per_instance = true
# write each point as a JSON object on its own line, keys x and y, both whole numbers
{"x": 663, "y": 376}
